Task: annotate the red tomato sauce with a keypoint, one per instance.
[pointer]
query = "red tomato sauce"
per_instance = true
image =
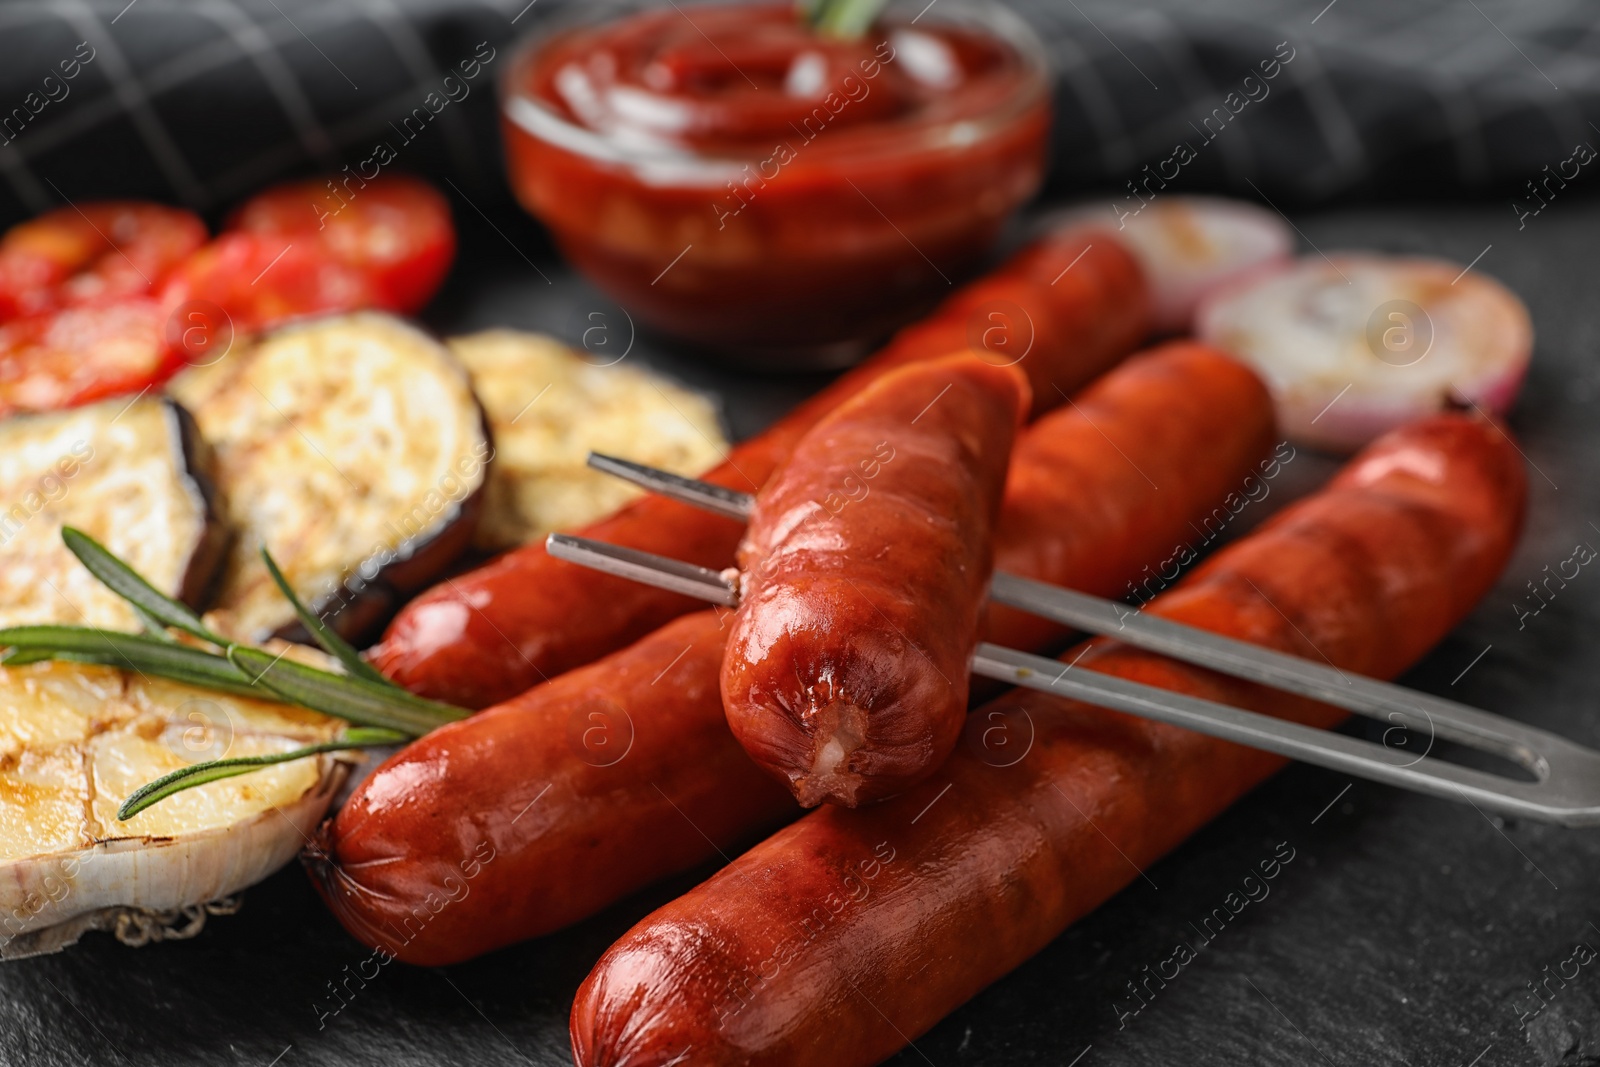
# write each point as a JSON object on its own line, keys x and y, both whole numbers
{"x": 734, "y": 178}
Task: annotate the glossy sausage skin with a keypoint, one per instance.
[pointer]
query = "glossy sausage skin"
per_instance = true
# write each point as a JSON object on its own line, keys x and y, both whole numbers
{"x": 865, "y": 569}
{"x": 1124, "y": 484}
{"x": 525, "y": 617}
{"x": 544, "y": 809}
{"x": 399, "y": 850}
{"x": 849, "y": 933}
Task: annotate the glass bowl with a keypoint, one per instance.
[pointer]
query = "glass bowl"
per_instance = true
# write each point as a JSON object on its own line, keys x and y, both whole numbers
{"x": 780, "y": 199}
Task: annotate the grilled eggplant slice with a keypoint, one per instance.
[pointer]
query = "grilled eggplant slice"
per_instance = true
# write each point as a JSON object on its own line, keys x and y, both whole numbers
{"x": 76, "y": 740}
{"x": 548, "y": 407}
{"x": 133, "y": 475}
{"x": 354, "y": 449}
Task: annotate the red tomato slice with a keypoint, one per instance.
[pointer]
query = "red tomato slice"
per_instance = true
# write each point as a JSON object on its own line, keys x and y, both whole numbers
{"x": 74, "y": 355}
{"x": 93, "y": 254}
{"x": 261, "y": 280}
{"x": 394, "y": 229}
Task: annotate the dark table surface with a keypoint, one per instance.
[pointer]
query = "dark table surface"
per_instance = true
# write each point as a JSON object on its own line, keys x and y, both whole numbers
{"x": 1405, "y": 930}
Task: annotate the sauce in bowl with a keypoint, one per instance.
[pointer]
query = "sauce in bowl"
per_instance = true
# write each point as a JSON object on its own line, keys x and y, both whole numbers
{"x": 736, "y": 179}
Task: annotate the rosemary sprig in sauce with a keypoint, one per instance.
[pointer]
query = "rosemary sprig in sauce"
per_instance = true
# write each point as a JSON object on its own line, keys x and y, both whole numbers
{"x": 847, "y": 19}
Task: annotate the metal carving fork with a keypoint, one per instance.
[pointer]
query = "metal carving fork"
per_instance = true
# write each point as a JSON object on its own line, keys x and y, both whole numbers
{"x": 1566, "y": 789}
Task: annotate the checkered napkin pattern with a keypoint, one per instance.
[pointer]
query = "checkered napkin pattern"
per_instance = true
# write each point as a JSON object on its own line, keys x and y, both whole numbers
{"x": 198, "y": 102}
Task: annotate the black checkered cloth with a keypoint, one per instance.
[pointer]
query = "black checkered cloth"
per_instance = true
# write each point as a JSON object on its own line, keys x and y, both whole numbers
{"x": 199, "y": 102}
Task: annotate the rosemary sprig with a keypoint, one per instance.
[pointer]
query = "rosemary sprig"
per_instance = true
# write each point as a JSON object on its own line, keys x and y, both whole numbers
{"x": 130, "y": 652}
{"x": 201, "y": 773}
{"x": 152, "y": 626}
{"x": 131, "y": 586}
{"x": 845, "y": 19}
{"x": 354, "y": 700}
{"x": 382, "y": 712}
{"x": 331, "y": 643}
{"x": 18, "y": 657}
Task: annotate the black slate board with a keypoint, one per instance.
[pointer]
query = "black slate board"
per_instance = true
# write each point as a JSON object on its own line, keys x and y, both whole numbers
{"x": 1404, "y": 931}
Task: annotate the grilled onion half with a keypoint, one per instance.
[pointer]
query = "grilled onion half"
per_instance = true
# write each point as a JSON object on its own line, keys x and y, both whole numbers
{"x": 76, "y": 740}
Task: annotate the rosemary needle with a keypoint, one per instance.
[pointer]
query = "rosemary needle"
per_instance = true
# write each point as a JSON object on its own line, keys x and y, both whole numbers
{"x": 844, "y": 19}
{"x": 381, "y": 712}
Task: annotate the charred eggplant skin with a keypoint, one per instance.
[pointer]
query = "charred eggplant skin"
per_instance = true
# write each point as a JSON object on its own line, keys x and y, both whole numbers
{"x": 199, "y": 462}
{"x": 354, "y": 448}
{"x": 360, "y": 608}
{"x": 132, "y": 473}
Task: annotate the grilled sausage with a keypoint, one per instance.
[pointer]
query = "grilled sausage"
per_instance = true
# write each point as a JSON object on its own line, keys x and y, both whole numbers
{"x": 634, "y": 750}
{"x": 864, "y": 571}
{"x": 849, "y": 933}
{"x": 539, "y": 812}
{"x": 525, "y": 617}
{"x": 1114, "y": 493}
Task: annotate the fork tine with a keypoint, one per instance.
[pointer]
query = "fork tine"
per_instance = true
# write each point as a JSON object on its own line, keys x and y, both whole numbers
{"x": 646, "y": 567}
{"x": 1560, "y": 799}
{"x": 715, "y": 498}
{"x": 1353, "y": 692}
{"x": 1567, "y": 789}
